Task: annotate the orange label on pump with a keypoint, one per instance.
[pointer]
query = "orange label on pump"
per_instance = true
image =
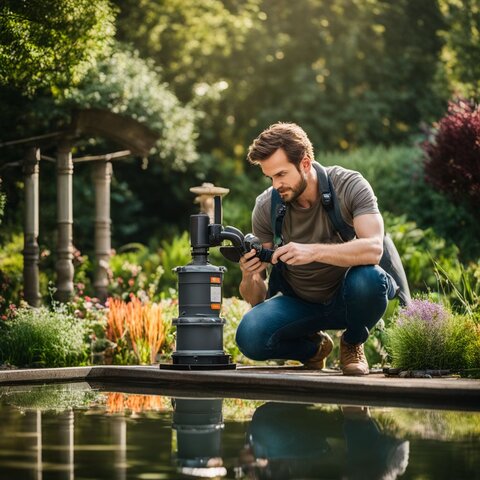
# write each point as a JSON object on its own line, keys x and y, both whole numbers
{"x": 215, "y": 280}
{"x": 215, "y": 306}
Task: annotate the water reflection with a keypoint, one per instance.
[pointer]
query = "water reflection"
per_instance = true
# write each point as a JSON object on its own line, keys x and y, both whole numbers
{"x": 199, "y": 424}
{"x": 300, "y": 441}
{"x": 70, "y": 433}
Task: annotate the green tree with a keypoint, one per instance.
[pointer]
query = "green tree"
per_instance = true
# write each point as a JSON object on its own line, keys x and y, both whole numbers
{"x": 44, "y": 43}
{"x": 126, "y": 84}
{"x": 461, "y": 52}
{"x": 351, "y": 72}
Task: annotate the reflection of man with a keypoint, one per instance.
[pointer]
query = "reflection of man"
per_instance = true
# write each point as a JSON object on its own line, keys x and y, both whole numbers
{"x": 371, "y": 454}
{"x": 326, "y": 283}
{"x": 297, "y": 441}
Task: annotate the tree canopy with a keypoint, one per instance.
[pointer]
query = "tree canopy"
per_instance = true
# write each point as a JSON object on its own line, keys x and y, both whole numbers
{"x": 45, "y": 43}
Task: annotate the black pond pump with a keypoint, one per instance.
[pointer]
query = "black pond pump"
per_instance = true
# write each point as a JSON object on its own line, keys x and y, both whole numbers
{"x": 199, "y": 325}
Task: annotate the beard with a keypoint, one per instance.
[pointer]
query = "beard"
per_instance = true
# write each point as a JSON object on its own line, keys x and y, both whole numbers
{"x": 290, "y": 194}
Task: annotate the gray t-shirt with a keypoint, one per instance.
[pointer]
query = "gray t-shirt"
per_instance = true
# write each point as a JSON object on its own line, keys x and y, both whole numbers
{"x": 316, "y": 282}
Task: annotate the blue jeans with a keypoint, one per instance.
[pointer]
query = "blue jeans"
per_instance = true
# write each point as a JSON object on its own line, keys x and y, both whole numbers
{"x": 280, "y": 327}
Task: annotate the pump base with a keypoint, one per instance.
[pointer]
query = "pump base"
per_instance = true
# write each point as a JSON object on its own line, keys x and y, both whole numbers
{"x": 198, "y": 366}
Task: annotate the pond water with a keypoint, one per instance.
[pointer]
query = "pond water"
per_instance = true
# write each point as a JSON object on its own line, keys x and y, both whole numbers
{"x": 73, "y": 432}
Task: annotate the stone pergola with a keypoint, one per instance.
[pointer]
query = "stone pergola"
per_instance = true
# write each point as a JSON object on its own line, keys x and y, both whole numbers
{"x": 128, "y": 133}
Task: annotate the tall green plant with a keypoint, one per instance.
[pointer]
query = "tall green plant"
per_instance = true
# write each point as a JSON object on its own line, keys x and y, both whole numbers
{"x": 463, "y": 292}
{"x": 42, "y": 338}
{"x": 174, "y": 253}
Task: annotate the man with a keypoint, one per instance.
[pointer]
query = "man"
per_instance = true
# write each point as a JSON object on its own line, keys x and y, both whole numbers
{"x": 325, "y": 283}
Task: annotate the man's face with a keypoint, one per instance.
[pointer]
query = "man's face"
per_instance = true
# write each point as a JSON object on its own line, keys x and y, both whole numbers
{"x": 286, "y": 177}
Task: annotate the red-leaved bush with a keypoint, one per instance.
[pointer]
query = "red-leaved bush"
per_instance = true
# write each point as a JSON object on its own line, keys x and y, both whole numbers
{"x": 453, "y": 156}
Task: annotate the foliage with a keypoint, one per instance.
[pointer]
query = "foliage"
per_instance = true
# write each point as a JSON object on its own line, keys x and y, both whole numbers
{"x": 93, "y": 315}
{"x": 126, "y": 84}
{"x": 136, "y": 325}
{"x": 3, "y": 200}
{"x": 135, "y": 270}
{"x": 397, "y": 178}
{"x": 47, "y": 43}
{"x": 419, "y": 249}
{"x": 431, "y": 424}
{"x": 11, "y": 273}
{"x": 426, "y": 335}
{"x": 345, "y": 70}
{"x": 463, "y": 290}
{"x": 57, "y": 398}
{"x": 461, "y": 49}
{"x": 454, "y": 152}
{"x": 174, "y": 254}
{"x": 40, "y": 337}
{"x": 233, "y": 309}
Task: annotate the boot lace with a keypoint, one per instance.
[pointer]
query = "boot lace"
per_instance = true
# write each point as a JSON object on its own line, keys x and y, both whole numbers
{"x": 354, "y": 353}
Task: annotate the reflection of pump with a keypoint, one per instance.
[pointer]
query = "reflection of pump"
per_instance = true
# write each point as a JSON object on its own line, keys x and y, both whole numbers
{"x": 199, "y": 424}
{"x": 199, "y": 326}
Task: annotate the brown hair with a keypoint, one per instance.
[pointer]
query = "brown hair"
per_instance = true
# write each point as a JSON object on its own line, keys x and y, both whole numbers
{"x": 287, "y": 136}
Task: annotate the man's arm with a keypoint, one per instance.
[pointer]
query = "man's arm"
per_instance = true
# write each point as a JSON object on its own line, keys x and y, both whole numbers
{"x": 252, "y": 287}
{"x": 366, "y": 249}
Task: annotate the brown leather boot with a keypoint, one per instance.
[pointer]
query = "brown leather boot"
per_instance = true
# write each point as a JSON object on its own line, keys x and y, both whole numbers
{"x": 352, "y": 359}
{"x": 325, "y": 346}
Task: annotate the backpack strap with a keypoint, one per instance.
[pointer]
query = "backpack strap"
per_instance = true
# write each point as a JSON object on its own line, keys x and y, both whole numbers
{"x": 328, "y": 196}
{"x": 278, "y": 209}
{"x": 331, "y": 204}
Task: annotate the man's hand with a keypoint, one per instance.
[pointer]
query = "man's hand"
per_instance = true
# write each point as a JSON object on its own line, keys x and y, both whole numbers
{"x": 250, "y": 264}
{"x": 252, "y": 287}
{"x": 295, "y": 253}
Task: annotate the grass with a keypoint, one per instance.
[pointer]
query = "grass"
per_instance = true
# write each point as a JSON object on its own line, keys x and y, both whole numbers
{"x": 417, "y": 344}
{"x": 39, "y": 337}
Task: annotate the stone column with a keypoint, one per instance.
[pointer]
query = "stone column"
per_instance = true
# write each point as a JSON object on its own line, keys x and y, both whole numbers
{"x": 31, "y": 225}
{"x": 64, "y": 265}
{"x": 102, "y": 175}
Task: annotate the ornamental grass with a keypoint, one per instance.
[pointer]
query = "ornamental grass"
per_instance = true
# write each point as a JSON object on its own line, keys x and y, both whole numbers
{"x": 427, "y": 335}
{"x": 137, "y": 325}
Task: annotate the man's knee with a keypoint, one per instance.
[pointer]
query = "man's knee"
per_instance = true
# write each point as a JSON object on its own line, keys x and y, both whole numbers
{"x": 366, "y": 283}
{"x": 250, "y": 337}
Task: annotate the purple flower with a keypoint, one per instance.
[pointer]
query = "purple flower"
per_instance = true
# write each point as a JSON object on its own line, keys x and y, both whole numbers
{"x": 428, "y": 312}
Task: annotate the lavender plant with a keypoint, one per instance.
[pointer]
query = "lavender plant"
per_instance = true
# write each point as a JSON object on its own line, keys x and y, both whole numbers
{"x": 427, "y": 335}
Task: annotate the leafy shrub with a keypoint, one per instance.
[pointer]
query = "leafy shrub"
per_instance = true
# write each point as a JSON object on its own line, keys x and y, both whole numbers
{"x": 426, "y": 335}
{"x": 136, "y": 270}
{"x": 126, "y": 84}
{"x": 11, "y": 273}
{"x": 233, "y": 309}
{"x": 174, "y": 254}
{"x": 420, "y": 250}
{"x": 41, "y": 337}
{"x": 397, "y": 177}
{"x": 454, "y": 152}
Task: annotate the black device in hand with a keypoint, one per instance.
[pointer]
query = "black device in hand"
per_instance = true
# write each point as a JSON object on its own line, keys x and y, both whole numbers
{"x": 244, "y": 245}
